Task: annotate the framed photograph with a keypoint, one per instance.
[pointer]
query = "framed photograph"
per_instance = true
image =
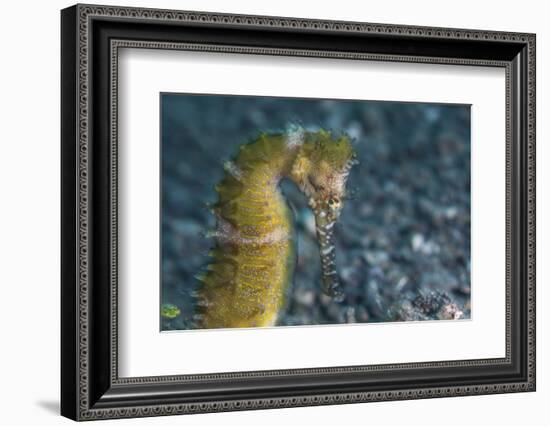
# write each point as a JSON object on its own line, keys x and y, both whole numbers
{"x": 263, "y": 212}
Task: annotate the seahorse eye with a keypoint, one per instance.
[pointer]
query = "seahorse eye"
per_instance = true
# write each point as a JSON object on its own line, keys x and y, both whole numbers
{"x": 334, "y": 203}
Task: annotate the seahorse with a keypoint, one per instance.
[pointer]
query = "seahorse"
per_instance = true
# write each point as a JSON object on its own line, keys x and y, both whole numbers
{"x": 246, "y": 281}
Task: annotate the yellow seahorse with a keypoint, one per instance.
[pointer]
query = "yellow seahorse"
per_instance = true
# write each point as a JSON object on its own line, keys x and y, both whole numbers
{"x": 251, "y": 267}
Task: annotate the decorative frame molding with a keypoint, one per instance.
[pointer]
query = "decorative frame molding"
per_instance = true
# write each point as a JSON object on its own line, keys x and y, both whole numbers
{"x": 91, "y": 388}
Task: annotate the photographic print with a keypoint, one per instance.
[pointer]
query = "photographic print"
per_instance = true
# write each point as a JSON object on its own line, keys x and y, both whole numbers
{"x": 291, "y": 211}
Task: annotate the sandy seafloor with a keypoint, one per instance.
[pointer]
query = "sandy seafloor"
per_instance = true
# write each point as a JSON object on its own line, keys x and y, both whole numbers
{"x": 403, "y": 239}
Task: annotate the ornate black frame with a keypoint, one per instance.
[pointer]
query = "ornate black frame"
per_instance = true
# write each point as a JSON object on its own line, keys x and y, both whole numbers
{"x": 91, "y": 37}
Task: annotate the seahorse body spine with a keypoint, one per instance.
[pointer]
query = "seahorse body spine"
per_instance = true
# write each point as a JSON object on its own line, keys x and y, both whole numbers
{"x": 246, "y": 282}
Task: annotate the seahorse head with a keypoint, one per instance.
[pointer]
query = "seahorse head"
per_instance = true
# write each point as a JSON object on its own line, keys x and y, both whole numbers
{"x": 321, "y": 170}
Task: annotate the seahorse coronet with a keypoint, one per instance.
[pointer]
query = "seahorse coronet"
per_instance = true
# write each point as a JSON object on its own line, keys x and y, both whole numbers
{"x": 251, "y": 264}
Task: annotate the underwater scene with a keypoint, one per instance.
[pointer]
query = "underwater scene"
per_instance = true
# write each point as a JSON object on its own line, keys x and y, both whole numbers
{"x": 292, "y": 211}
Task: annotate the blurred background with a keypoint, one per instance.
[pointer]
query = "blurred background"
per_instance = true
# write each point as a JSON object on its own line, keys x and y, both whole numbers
{"x": 403, "y": 239}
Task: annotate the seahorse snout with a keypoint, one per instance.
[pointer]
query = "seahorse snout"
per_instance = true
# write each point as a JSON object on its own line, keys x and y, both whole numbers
{"x": 327, "y": 250}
